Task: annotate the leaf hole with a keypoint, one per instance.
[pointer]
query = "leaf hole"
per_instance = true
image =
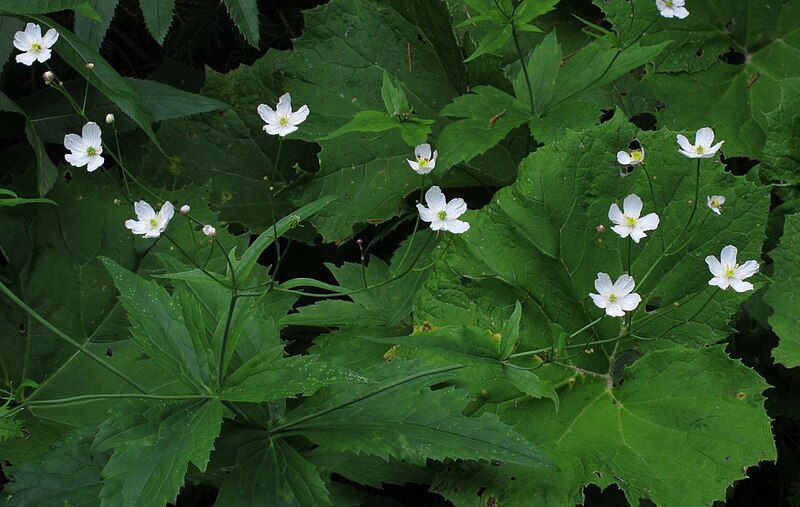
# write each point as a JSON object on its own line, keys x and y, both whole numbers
{"x": 645, "y": 121}
{"x": 733, "y": 57}
{"x": 109, "y": 352}
{"x": 481, "y": 490}
{"x": 67, "y": 176}
{"x": 22, "y": 327}
{"x": 420, "y": 38}
{"x": 738, "y": 166}
{"x": 607, "y": 115}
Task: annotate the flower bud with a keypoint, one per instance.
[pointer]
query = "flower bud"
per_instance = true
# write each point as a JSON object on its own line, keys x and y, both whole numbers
{"x": 89, "y": 66}
{"x": 600, "y": 228}
{"x": 109, "y": 118}
{"x": 48, "y": 77}
{"x": 185, "y": 209}
{"x": 209, "y": 231}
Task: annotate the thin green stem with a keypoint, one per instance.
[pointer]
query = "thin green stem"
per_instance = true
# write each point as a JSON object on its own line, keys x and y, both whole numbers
{"x": 524, "y": 67}
{"x": 225, "y": 334}
{"x": 85, "y": 94}
{"x": 115, "y": 396}
{"x": 195, "y": 264}
{"x": 573, "y": 335}
{"x": 94, "y": 357}
{"x": 286, "y": 426}
{"x": 655, "y": 204}
{"x": 414, "y": 232}
{"x": 696, "y": 194}
{"x": 272, "y": 208}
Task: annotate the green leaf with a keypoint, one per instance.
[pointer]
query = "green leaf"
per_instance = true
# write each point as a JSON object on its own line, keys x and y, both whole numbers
{"x": 77, "y": 54}
{"x": 69, "y": 474}
{"x": 46, "y": 172}
{"x": 339, "y": 76}
{"x": 157, "y": 17}
{"x": 492, "y": 41}
{"x": 8, "y": 27}
{"x": 366, "y": 121}
{"x": 245, "y": 14}
{"x": 510, "y": 333}
{"x": 530, "y": 384}
{"x": 529, "y": 10}
{"x": 266, "y": 238}
{"x": 153, "y": 446}
{"x": 38, "y": 6}
{"x": 94, "y": 31}
{"x": 411, "y": 423}
{"x": 271, "y": 472}
{"x": 486, "y": 115}
{"x": 158, "y": 327}
{"x": 779, "y": 160}
{"x": 693, "y": 416}
{"x": 269, "y": 377}
{"x": 394, "y": 98}
{"x": 783, "y": 295}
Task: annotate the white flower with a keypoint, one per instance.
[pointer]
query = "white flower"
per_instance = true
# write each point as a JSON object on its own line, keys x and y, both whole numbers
{"x": 442, "y": 214}
{"x": 632, "y": 158}
{"x": 672, "y": 8}
{"x": 282, "y": 121}
{"x": 702, "y": 144}
{"x": 617, "y": 298}
{"x": 425, "y": 162}
{"x": 150, "y": 223}
{"x": 629, "y": 223}
{"x": 729, "y": 274}
{"x": 33, "y": 46}
{"x": 209, "y": 231}
{"x": 715, "y": 202}
{"x": 185, "y": 209}
{"x": 86, "y": 148}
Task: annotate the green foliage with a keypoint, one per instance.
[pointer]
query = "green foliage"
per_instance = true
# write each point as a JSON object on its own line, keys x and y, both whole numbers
{"x": 157, "y": 17}
{"x": 152, "y": 448}
{"x": 782, "y": 295}
{"x": 94, "y": 31}
{"x": 245, "y": 15}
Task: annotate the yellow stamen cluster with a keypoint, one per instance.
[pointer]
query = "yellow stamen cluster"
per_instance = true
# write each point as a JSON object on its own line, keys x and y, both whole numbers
{"x": 442, "y": 215}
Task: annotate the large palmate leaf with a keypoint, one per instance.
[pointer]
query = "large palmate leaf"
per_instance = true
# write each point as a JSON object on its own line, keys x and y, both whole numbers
{"x": 681, "y": 417}
{"x": 269, "y": 471}
{"x": 539, "y": 243}
{"x": 743, "y": 54}
{"x": 152, "y": 448}
{"x": 336, "y": 68}
{"x": 783, "y": 295}
{"x": 398, "y": 416}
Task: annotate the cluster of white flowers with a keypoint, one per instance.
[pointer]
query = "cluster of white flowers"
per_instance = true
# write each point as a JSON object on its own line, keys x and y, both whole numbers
{"x": 618, "y": 298}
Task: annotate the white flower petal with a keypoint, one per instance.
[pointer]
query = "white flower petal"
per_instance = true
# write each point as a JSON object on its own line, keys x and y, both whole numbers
{"x": 74, "y": 142}
{"x": 50, "y": 38}
{"x": 623, "y": 230}
{"x": 624, "y": 158}
{"x": 423, "y": 151}
{"x": 615, "y": 215}
{"x": 426, "y": 214}
{"x": 740, "y": 286}
{"x": 165, "y": 214}
{"x": 680, "y": 12}
{"x": 95, "y": 161}
{"x": 685, "y": 144}
{"x": 152, "y": 233}
{"x": 456, "y": 226}
{"x": 43, "y": 55}
{"x": 637, "y": 233}
{"x": 603, "y": 284}
{"x": 299, "y": 116}
{"x": 77, "y": 159}
{"x": 714, "y": 266}
{"x": 435, "y": 199}
{"x": 439, "y": 225}
{"x": 144, "y": 211}
{"x": 26, "y": 58}
{"x": 21, "y": 41}
{"x": 455, "y": 208}
{"x": 713, "y": 150}
{"x": 615, "y": 310}
{"x": 720, "y": 282}
{"x": 414, "y": 165}
{"x": 623, "y": 286}
{"x": 267, "y": 114}
{"x": 433, "y": 159}
{"x": 728, "y": 256}
{"x": 704, "y": 137}
{"x": 91, "y": 134}
{"x": 632, "y": 205}
{"x": 648, "y": 222}
{"x": 33, "y": 31}
{"x": 630, "y": 302}
{"x": 137, "y": 227}
{"x": 746, "y": 270}
{"x": 284, "y": 107}
{"x": 273, "y": 129}
{"x": 599, "y": 301}
{"x": 285, "y": 130}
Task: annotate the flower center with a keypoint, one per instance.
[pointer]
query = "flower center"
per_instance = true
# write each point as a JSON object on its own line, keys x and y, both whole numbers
{"x": 36, "y": 47}
{"x": 442, "y": 215}
{"x": 636, "y": 155}
{"x": 699, "y": 149}
{"x": 91, "y": 151}
{"x": 284, "y": 120}
{"x": 153, "y": 222}
{"x": 668, "y": 3}
{"x": 631, "y": 221}
{"x": 715, "y": 203}
{"x": 423, "y": 162}
{"x": 612, "y": 297}
{"x": 729, "y": 271}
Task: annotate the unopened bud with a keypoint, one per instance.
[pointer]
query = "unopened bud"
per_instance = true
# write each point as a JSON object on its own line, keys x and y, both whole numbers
{"x": 61, "y": 83}
{"x": 89, "y": 66}
{"x": 209, "y": 231}
{"x": 109, "y": 118}
{"x": 600, "y": 228}
{"x": 48, "y": 77}
{"x": 359, "y": 241}
{"x": 185, "y": 209}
